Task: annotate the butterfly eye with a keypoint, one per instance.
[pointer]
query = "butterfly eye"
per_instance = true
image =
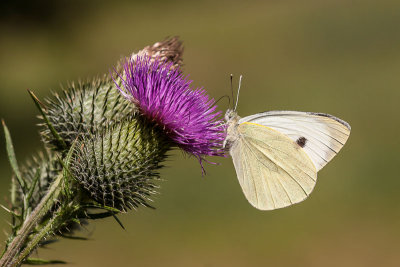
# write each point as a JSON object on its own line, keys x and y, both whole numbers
{"x": 228, "y": 115}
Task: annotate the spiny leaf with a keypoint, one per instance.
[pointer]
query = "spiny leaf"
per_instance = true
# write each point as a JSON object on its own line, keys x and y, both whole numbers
{"x": 73, "y": 237}
{"x": 34, "y": 261}
{"x": 13, "y": 192}
{"x": 66, "y": 171}
{"x": 98, "y": 206}
{"x": 27, "y": 207}
{"x": 118, "y": 221}
{"x": 53, "y": 131}
{"x": 101, "y": 215}
{"x": 12, "y": 158}
{"x": 33, "y": 185}
{"x": 47, "y": 242}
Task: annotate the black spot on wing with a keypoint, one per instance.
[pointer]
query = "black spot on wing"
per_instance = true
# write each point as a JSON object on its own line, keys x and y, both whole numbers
{"x": 301, "y": 141}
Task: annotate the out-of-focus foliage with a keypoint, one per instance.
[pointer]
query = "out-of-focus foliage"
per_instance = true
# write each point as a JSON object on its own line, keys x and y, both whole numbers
{"x": 338, "y": 57}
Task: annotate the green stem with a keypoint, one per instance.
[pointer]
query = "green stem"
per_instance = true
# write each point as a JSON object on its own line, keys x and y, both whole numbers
{"x": 44, "y": 231}
{"x": 9, "y": 258}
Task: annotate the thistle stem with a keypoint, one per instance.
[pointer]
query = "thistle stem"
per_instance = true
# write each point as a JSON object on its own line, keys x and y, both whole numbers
{"x": 10, "y": 257}
{"x": 44, "y": 231}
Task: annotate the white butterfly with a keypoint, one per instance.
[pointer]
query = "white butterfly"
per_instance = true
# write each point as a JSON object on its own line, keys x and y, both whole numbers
{"x": 277, "y": 154}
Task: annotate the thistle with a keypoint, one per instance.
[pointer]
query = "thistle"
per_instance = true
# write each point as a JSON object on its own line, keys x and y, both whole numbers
{"x": 105, "y": 142}
{"x": 85, "y": 107}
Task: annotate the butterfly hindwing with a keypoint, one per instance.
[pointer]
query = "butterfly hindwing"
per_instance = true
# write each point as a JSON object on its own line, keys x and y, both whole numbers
{"x": 320, "y": 135}
{"x": 273, "y": 171}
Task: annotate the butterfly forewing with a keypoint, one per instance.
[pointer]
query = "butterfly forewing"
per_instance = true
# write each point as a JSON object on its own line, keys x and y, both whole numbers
{"x": 320, "y": 135}
{"x": 273, "y": 170}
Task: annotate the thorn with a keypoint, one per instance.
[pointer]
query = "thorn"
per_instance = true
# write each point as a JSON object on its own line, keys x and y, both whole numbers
{"x": 118, "y": 221}
{"x": 37, "y": 99}
{"x": 6, "y": 209}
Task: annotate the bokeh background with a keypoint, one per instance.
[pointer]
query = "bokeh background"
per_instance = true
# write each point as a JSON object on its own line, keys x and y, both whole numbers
{"x": 338, "y": 57}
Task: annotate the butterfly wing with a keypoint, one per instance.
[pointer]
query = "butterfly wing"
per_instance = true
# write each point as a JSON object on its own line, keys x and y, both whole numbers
{"x": 320, "y": 135}
{"x": 273, "y": 171}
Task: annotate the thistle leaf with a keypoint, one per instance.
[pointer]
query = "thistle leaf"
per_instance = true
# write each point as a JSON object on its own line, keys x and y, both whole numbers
{"x": 34, "y": 261}
{"x": 118, "y": 221}
{"x": 98, "y": 206}
{"x": 101, "y": 215}
{"x": 14, "y": 192}
{"x": 74, "y": 237}
{"x": 66, "y": 171}
{"x": 33, "y": 185}
{"x": 12, "y": 158}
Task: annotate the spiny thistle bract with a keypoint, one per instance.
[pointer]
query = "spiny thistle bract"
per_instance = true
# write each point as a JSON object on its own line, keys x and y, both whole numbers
{"x": 118, "y": 167}
{"x": 85, "y": 108}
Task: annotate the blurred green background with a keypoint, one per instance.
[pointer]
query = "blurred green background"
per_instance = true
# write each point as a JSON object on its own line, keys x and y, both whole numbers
{"x": 338, "y": 57}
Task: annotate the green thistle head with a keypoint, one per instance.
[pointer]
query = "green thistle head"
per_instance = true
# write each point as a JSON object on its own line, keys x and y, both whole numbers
{"x": 118, "y": 166}
{"x": 83, "y": 109}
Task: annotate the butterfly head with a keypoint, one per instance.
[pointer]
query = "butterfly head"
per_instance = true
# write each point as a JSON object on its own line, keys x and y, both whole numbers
{"x": 230, "y": 116}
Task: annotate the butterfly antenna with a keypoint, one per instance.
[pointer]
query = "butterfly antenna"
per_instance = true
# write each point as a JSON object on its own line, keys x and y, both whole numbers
{"x": 219, "y": 99}
{"x": 233, "y": 98}
{"x": 237, "y": 97}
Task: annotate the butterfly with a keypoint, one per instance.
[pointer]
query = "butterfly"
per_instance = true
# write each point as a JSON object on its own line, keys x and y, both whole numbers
{"x": 277, "y": 154}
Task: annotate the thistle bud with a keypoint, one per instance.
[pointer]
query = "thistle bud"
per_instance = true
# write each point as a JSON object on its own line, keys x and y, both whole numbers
{"x": 118, "y": 167}
{"x": 85, "y": 108}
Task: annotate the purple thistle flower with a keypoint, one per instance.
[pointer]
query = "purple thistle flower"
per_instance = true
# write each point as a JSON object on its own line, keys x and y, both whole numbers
{"x": 165, "y": 97}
